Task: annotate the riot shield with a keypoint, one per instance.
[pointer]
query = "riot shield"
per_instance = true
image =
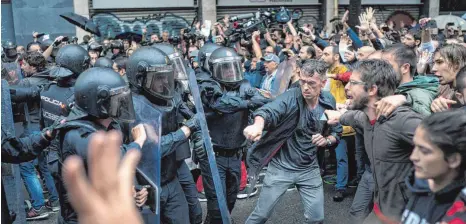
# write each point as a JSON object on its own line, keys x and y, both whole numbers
{"x": 148, "y": 169}
{"x": 282, "y": 77}
{"x": 222, "y": 204}
{"x": 13, "y": 72}
{"x": 11, "y": 179}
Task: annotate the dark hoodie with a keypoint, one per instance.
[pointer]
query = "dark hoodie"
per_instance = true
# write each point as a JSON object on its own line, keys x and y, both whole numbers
{"x": 425, "y": 206}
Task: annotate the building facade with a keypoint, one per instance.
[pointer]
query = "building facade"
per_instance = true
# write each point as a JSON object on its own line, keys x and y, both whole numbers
{"x": 21, "y": 17}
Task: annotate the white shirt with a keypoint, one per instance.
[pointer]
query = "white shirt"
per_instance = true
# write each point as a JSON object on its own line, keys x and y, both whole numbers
{"x": 267, "y": 84}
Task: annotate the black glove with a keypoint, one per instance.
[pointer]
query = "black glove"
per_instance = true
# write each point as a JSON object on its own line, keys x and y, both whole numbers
{"x": 193, "y": 124}
{"x": 198, "y": 146}
{"x": 52, "y": 129}
{"x": 249, "y": 93}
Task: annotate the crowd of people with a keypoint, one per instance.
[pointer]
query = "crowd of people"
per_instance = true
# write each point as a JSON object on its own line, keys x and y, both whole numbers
{"x": 380, "y": 107}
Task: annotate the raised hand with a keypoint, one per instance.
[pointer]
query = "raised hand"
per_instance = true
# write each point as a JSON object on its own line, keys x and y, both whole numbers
{"x": 344, "y": 19}
{"x": 364, "y": 23}
{"x": 425, "y": 57}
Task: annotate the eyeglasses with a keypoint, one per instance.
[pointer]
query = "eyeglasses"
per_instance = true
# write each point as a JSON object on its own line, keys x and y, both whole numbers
{"x": 268, "y": 52}
{"x": 352, "y": 83}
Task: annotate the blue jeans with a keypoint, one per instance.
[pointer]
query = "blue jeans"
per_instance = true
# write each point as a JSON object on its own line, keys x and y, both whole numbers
{"x": 342, "y": 164}
{"x": 47, "y": 176}
{"x": 28, "y": 173}
{"x": 277, "y": 181}
{"x": 363, "y": 199}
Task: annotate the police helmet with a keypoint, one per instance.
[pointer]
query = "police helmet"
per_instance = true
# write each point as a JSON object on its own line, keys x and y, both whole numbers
{"x": 150, "y": 70}
{"x": 225, "y": 65}
{"x": 103, "y": 93}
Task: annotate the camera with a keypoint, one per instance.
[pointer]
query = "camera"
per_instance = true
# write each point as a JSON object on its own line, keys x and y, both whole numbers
{"x": 116, "y": 44}
{"x": 174, "y": 40}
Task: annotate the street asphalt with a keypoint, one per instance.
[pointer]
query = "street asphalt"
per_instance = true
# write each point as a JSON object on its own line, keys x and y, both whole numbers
{"x": 288, "y": 210}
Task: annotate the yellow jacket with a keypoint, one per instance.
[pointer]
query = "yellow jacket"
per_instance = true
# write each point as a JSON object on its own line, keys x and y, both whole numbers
{"x": 337, "y": 89}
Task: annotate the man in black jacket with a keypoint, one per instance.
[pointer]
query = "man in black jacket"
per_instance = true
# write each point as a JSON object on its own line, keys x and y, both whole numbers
{"x": 295, "y": 131}
{"x": 19, "y": 150}
{"x": 388, "y": 139}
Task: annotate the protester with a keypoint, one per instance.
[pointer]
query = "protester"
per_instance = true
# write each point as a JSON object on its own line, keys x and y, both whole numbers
{"x": 439, "y": 164}
{"x": 301, "y": 134}
{"x": 448, "y": 61}
{"x": 238, "y": 66}
{"x": 370, "y": 81}
{"x": 336, "y": 76}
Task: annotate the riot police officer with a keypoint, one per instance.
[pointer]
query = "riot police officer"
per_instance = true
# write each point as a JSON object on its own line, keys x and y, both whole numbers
{"x": 56, "y": 98}
{"x": 103, "y": 63}
{"x": 9, "y": 51}
{"x": 183, "y": 152}
{"x": 10, "y": 63}
{"x": 203, "y": 71}
{"x": 227, "y": 99}
{"x": 117, "y": 50}
{"x": 101, "y": 98}
{"x": 151, "y": 77}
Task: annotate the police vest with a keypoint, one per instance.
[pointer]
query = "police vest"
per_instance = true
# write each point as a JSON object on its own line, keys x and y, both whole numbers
{"x": 226, "y": 130}
{"x": 56, "y": 101}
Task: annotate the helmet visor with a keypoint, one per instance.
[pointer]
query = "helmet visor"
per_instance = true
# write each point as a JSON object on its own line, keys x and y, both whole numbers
{"x": 180, "y": 69}
{"x": 228, "y": 71}
{"x": 160, "y": 82}
{"x": 121, "y": 105}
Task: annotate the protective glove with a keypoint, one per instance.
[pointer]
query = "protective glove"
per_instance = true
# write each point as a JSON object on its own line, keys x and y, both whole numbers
{"x": 51, "y": 132}
{"x": 193, "y": 124}
{"x": 198, "y": 146}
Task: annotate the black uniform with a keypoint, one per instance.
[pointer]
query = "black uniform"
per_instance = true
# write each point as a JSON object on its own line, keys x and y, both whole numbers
{"x": 227, "y": 99}
{"x": 150, "y": 73}
{"x": 19, "y": 150}
{"x": 99, "y": 94}
{"x": 182, "y": 103}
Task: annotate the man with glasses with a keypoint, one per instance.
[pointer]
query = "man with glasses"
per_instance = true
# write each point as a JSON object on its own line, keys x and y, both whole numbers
{"x": 295, "y": 132}
{"x": 387, "y": 139}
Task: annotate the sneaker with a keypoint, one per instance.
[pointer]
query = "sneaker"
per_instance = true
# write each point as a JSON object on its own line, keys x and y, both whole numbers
{"x": 53, "y": 206}
{"x": 33, "y": 214}
{"x": 201, "y": 197}
{"x": 244, "y": 193}
{"x": 353, "y": 183}
{"x": 339, "y": 196}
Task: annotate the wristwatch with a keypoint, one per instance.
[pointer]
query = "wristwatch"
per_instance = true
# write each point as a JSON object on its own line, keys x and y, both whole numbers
{"x": 329, "y": 143}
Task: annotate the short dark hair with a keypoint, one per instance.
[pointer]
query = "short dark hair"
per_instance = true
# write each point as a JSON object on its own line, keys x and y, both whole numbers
{"x": 36, "y": 60}
{"x": 311, "y": 51}
{"x": 379, "y": 73}
{"x": 403, "y": 55}
{"x": 121, "y": 62}
{"x": 461, "y": 80}
{"x": 447, "y": 131}
{"x": 415, "y": 33}
{"x": 32, "y": 44}
{"x": 312, "y": 66}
